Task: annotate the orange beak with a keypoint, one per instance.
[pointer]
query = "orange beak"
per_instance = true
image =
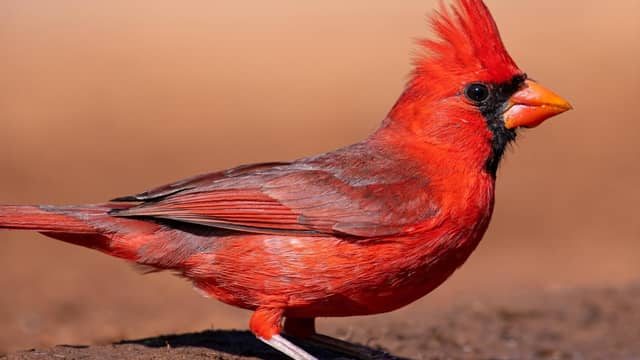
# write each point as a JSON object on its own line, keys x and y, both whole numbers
{"x": 532, "y": 105}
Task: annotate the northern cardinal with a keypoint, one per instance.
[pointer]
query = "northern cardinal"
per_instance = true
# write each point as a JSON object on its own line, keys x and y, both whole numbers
{"x": 364, "y": 229}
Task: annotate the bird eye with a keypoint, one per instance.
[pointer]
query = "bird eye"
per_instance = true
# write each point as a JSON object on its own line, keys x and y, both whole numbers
{"x": 477, "y": 92}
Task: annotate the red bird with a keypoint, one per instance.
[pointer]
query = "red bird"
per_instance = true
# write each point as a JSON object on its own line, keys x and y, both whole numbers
{"x": 365, "y": 229}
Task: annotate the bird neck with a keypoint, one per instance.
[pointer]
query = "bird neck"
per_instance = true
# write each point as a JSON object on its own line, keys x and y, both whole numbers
{"x": 437, "y": 148}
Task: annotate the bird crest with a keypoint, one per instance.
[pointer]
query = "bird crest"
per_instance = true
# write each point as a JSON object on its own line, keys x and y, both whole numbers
{"x": 467, "y": 42}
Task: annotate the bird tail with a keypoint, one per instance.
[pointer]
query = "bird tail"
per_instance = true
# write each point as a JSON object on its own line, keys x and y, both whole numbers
{"x": 86, "y": 225}
{"x": 43, "y": 219}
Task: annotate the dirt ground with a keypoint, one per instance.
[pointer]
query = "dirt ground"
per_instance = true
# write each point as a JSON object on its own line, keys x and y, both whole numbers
{"x": 554, "y": 325}
{"x": 101, "y": 99}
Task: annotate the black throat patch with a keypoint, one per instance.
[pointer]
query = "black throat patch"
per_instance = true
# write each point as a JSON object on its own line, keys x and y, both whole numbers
{"x": 492, "y": 110}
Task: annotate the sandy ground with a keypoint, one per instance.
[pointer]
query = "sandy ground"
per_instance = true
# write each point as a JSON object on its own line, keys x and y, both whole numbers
{"x": 100, "y": 99}
{"x": 553, "y": 325}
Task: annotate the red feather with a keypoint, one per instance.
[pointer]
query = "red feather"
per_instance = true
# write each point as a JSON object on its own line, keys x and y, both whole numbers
{"x": 469, "y": 43}
{"x": 318, "y": 196}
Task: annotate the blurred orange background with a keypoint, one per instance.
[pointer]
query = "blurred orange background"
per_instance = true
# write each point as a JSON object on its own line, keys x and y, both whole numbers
{"x": 100, "y": 99}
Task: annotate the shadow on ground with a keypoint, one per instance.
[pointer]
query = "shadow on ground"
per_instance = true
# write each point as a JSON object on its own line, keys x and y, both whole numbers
{"x": 211, "y": 344}
{"x": 239, "y": 343}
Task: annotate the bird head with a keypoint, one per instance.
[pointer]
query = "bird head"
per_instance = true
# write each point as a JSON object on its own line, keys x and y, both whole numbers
{"x": 466, "y": 94}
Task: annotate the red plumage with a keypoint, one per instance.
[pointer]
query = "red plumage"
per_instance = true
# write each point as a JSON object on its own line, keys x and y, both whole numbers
{"x": 361, "y": 230}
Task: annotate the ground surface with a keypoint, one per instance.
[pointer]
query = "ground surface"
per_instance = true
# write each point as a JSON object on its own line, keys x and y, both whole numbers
{"x": 554, "y": 325}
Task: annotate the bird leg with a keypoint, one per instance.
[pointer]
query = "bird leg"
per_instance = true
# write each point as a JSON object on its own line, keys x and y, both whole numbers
{"x": 266, "y": 323}
{"x": 305, "y": 330}
{"x": 287, "y": 347}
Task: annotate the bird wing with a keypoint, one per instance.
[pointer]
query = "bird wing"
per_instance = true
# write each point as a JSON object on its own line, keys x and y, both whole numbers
{"x": 196, "y": 181}
{"x": 288, "y": 199}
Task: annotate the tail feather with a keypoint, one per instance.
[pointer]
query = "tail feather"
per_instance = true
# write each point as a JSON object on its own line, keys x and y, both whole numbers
{"x": 42, "y": 218}
{"x": 91, "y": 226}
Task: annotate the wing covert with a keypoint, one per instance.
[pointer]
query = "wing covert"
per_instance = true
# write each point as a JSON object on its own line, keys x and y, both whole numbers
{"x": 292, "y": 200}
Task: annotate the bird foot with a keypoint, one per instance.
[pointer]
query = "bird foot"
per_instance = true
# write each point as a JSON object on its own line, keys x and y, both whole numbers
{"x": 288, "y": 348}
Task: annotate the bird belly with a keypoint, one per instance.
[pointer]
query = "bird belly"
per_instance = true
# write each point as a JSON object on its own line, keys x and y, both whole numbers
{"x": 326, "y": 276}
